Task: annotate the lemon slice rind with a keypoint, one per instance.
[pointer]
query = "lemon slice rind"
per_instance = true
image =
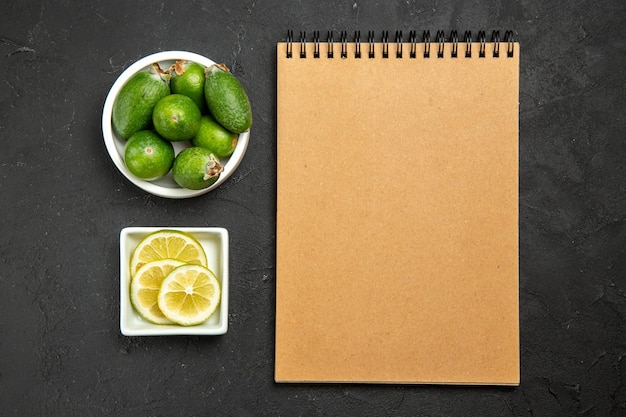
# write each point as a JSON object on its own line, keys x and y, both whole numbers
{"x": 145, "y": 287}
{"x": 189, "y": 295}
{"x": 167, "y": 244}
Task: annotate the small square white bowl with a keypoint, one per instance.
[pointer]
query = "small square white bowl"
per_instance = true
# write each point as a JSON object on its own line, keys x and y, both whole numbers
{"x": 214, "y": 240}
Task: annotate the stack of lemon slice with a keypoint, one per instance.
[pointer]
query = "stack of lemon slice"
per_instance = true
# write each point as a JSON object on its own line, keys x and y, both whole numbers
{"x": 170, "y": 280}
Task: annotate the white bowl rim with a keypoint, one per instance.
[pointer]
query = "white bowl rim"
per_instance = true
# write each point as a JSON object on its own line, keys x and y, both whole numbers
{"x": 110, "y": 139}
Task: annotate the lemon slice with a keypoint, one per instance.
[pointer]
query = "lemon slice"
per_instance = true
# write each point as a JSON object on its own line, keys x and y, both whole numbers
{"x": 189, "y": 295}
{"x": 145, "y": 286}
{"x": 167, "y": 244}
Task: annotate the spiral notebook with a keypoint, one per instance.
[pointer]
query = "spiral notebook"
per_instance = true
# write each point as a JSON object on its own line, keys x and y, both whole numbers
{"x": 397, "y": 209}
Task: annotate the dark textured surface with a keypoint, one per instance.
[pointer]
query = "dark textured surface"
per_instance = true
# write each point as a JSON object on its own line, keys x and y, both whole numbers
{"x": 63, "y": 204}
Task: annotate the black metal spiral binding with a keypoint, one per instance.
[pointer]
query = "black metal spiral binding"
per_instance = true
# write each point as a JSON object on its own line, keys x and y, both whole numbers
{"x": 495, "y": 38}
{"x": 316, "y": 44}
{"x": 467, "y": 38}
{"x": 302, "y": 45}
{"x": 481, "y": 40}
{"x": 289, "y": 43}
{"x": 344, "y": 44}
{"x": 385, "y": 41}
{"x": 330, "y": 45}
{"x": 454, "y": 39}
{"x": 426, "y": 40}
{"x": 508, "y": 38}
{"x": 399, "y": 44}
{"x": 440, "y": 40}
{"x": 413, "y": 42}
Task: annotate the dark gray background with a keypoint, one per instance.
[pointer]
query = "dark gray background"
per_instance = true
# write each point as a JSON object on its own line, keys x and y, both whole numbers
{"x": 63, "y": 204}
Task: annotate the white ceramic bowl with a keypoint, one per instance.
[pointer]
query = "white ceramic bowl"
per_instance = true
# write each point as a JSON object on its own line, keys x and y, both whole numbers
{"x": 166, "y": 186}
{"x": 214, "y": 240}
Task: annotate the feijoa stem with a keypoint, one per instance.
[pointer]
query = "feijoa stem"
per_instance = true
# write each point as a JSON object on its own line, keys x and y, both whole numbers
{"x": 222, "y": 67}
{"x": 179, "y": 66}
{"x": 156, "y": 69}
{"x": 213, "y": 168}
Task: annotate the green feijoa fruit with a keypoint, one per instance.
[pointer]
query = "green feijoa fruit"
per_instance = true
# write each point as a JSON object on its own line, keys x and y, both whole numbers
{"x": 214, "y": 137}
{"x": 196, "y": 168}
{"x": 176, "y": 117}
{"x": 148, "y": 156}
{"x": 226, "y": 99}
{"x": 132, "y": 108}
{"x": 188, "y": 79}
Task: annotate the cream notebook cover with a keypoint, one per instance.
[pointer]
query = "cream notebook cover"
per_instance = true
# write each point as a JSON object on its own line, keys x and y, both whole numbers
{"x": 397, "y": 210}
